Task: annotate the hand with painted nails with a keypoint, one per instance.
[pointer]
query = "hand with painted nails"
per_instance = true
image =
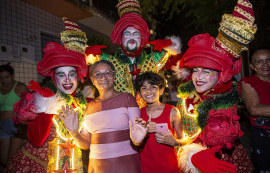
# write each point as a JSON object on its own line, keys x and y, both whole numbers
{"x": 70, "y": 118}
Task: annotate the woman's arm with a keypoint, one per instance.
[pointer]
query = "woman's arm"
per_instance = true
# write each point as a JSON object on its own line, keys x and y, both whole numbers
{"x": 177, "y": 126}
{"x": 20, "y": 88}
{"x": 252, "y": 101}
{"x": 82, "y": 140}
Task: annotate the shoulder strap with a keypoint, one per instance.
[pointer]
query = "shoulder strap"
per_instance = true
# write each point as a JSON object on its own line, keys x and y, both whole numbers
{"x": 14, "y": 85}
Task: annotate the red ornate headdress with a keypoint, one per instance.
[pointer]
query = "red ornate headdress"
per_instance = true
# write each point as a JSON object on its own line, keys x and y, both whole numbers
{"x": 72, "y": 54}
{"x": 130, "y": 15}
{"x": 223, "y": 53}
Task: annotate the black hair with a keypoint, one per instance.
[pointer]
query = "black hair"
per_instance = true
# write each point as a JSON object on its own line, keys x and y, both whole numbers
{"x": 151, "y": 77}
{"x": 101, "y": 62}
{"x": 7, "y": 68}
{"x": 252, "y": 52}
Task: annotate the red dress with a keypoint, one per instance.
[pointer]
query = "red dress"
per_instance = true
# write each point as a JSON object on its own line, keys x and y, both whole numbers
{"x": 158, "y": 158}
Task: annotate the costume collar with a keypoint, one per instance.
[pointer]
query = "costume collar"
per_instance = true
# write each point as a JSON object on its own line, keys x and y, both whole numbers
{"x": 123, "y": 58}
{"x": 219, "y": 101}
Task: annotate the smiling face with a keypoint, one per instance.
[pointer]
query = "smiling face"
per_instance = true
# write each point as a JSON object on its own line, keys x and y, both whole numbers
{"x": 261, "y": 63}
{"x": 103, "y": 77}
{"x": 150, "y": 93}
{"x": 66, "y": 79}
{"x": 204, "y": 79}
{"x": 6, "y": 78}
{"x": 131, "y": 39}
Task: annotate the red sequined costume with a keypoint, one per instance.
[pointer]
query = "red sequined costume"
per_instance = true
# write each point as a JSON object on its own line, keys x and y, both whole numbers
{"x": 50, "y": 147}
{"x": 210, "y": 118}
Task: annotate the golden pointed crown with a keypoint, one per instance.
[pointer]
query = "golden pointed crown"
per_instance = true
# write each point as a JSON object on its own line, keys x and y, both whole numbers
{"x": 127, "y": 6}
{"x": 73, "y": 38}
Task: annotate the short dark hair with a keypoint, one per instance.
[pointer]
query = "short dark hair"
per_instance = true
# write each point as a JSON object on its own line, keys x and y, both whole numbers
{"x": 151, "y": 77}
{"x": 101, "y": 62}
{"x": 252, "y": 52}
{"x": 7, "y": 68}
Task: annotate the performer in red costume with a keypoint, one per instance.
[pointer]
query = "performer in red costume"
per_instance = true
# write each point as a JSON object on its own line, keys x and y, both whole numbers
{"x": 132, "y": 33}
{"x": 208, "y": 104}
{"x": 50, "y": 147}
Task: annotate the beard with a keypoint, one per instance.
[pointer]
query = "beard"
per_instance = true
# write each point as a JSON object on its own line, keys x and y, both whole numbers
{"x": 133, "y": 48}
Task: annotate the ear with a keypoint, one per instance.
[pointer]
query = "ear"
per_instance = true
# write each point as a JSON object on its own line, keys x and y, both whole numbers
{"x": 161, "y": 91}
{"x": 139, "y": 93}
{"x": 252, "y": 67}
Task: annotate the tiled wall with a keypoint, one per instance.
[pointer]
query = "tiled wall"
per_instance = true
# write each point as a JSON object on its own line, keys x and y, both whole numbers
{"x": 22, "y": 24}
{"x": 24, "y": 72}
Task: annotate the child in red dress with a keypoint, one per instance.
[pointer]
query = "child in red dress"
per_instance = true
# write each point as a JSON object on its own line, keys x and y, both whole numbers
{"x": 158, "y": 153}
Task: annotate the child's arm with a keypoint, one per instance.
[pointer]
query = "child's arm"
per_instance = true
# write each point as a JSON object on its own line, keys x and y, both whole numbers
{"x": 176, "y": 123}
{"x": 169, "y": 139}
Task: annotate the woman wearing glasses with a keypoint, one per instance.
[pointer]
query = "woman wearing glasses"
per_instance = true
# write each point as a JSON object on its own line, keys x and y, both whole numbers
{"x": 108, "y": 125}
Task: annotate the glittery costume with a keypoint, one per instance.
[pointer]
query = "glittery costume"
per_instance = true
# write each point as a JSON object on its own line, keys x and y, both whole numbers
{"x": 130, "y": 16}
{"x": 213, "y": 121}
{"x": 124, "y": 66}
{"x": 38, "y": 156}
{"x": 50, "y": 147}
{"x": 210, "y": 118}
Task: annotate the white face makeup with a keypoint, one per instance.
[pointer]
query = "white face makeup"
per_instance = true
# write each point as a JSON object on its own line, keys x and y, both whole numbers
{"x": 66, "y": 79}
{"x": 131, "y": 39}
{"x": 204, "y": 79}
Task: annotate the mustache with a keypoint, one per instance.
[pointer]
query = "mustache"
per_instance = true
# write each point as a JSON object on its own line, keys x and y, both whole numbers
{"x": 132, "y": 40}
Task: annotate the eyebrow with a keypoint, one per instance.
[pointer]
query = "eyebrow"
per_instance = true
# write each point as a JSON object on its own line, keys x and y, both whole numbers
{"x": 126, "y": 32}
{"x": 61, "y": 72}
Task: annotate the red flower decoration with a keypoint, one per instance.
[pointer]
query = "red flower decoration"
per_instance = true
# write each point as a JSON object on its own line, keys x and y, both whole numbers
{"x": 222, "y": 128}
{"x": 29, "y": 96}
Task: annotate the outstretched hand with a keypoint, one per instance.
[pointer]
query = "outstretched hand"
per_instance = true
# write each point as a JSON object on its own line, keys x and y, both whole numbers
{"x": 95, "y": 49}
{"x": 138, "y": 131}
{"x": 206, "y": 161}
{"x": 159, "y": 44}
{"x": 70, "y": 118}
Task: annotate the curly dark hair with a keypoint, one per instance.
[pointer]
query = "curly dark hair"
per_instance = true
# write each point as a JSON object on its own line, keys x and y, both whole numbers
{"x": 7, "y": 68}
{"x": 151, "y": 77}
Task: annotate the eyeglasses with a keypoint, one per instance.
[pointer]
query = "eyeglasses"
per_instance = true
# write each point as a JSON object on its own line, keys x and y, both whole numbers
{"x": 107, "y": 74}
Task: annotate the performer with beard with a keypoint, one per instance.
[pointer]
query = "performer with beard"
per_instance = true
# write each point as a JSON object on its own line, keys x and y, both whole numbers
{"x": 132, "y": 33}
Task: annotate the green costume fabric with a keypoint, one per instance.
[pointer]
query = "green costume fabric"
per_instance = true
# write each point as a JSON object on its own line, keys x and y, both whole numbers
{"x": 124, "y": 65}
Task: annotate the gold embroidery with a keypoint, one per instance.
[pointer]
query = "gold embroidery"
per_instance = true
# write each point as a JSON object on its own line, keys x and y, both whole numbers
{"x": 34, "y": 158}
